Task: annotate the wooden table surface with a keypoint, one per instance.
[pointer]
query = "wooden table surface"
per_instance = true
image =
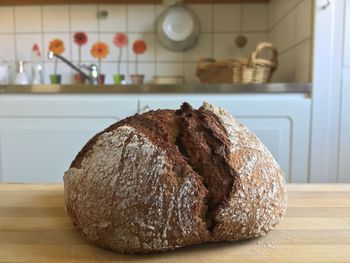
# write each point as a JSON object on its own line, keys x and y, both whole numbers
{"x": 316, "y": 228}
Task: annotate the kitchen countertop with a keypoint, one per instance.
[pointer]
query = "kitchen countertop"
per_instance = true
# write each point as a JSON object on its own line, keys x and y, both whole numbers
{"x": 316, "y": 228}
{"x": 304, "y": 88}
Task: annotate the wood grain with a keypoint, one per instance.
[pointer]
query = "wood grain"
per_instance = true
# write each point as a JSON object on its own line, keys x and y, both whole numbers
{"x": 316, "y": 228}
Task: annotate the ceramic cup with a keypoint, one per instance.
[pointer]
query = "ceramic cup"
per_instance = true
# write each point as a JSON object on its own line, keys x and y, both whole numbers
{"x": 137, "y": 78}
{"x": 101, "y": 79}
{"x": 4, "y": 74}
{"x": 79, "y": 79}
{"x": 55, "y": 79}
{"x": 119, "y": 79}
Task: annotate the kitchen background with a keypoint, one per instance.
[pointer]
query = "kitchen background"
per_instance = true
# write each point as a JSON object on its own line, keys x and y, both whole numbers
{"x": 287, "y": 24}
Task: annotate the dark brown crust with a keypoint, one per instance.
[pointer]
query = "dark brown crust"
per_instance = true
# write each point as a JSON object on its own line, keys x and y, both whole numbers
{"x": 204, "y": 142}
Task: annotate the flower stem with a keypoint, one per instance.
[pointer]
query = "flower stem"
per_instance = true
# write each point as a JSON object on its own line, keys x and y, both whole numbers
{"x": 137, "y": 64}
{"x": 79, "y": 56}
{"x": 119, "y": 60}
{"x": 99, "y": 66}
{"x": 55, "y": 66}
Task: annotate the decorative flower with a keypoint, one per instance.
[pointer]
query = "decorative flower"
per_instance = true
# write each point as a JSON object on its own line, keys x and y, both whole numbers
{"x": 80, "y": 38}
{"x": 139, "y": 47}
{"x": 99, "y": 50}
{"x": 36, "y": 50}
{"x": 56, "y": 46}
{"x": 120, "y": 40}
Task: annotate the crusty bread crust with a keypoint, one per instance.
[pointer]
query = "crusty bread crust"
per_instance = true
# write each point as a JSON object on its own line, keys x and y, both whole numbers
{"x": 258, "y": 199}
{"x": 140, "y": 186}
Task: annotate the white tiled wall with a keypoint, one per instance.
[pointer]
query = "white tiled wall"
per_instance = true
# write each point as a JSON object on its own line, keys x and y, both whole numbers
{"x": 22, "y": 26}
{"x": 290, "y": 28}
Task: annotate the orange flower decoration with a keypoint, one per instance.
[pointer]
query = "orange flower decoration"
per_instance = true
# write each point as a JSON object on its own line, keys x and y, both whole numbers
{"x": 56, "y": 46}
{"x": 99, "y": 50}
{"x": 139, "y": 47}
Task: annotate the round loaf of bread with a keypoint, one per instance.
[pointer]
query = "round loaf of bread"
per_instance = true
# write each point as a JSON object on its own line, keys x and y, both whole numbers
{"x": 167, "y": 179}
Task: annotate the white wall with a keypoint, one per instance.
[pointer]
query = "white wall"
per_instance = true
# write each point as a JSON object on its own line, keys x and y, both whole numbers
{"x": 290, "y": 28}
{"x": 344, "y": 132}
{"x": 329, "y": 159}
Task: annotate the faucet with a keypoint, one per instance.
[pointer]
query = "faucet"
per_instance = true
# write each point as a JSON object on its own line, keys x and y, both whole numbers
{"x": 92, "y": 77}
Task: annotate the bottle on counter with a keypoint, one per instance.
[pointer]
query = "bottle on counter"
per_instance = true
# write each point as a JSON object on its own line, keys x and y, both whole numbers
{"x": 4, "y": 73}
{"x": 37, "y": 69}
{"x": 21, "y": 77}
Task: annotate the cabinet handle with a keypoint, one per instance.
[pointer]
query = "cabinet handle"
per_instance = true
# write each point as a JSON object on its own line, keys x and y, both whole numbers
{"x": 326, "y": 5}
{"x": 145, "y": 109}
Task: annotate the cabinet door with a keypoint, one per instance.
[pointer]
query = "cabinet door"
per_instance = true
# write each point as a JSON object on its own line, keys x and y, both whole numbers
{"x": 281, "y": 122}
{"x": 38, "y": 142}
{"x": 344, "y": 142}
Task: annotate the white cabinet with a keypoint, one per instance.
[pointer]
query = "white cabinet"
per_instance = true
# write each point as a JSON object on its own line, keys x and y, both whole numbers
{"x": 282, "y": 122}
{"x": 41, "y": 135}
{"x": 344, "y": 118}
{"x": 330, "y": 155}
{"x": 344, "y": 142}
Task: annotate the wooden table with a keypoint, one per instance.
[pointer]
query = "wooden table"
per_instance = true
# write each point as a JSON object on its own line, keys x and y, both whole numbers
{"x": 316, "y": 228}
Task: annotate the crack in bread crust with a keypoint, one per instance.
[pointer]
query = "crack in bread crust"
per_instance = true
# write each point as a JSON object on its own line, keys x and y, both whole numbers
{"x": 206, "y": 145}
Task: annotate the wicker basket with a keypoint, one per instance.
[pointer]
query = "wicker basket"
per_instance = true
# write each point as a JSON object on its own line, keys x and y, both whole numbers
{"x": 252, "y": 70}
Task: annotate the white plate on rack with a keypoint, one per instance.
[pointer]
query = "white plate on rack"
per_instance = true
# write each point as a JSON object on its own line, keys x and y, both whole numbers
{"x": 178, "y": 28}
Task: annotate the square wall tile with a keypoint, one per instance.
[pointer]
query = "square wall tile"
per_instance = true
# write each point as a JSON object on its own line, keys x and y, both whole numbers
{"x": 28, "y": 19}
{"x": 24, "y": 45}
{"x": 6, "y": 20}
{"x": 170, "y": 69}
{"x": 150, "y": 54}
{"x": 303, "y": 20}
{"x": 55, "y": 18}
{"x": 279, "y": 8}
{"x": 252, "y": 40}
{"x": 224, "y": 46}
{"x": 83, "y": 18}
{"x": 7, "y": 47}
{"x": 255, "y": 17}
{"x": 65, "y": 37}
{"x": 285, "y": 71}
{"x": 165, "y": 55}
{"x": 113, "y": 51}
{"x": 85, "y": 50}
{"x": 302, "y": 62}
{"x": 148, "y": 69}
{"x": 160, "y": 9}
{"x": 110, "y": 69}
{"x": 271, "y": 14}
{"x": 205, "y": 16}
{"x": 141, "y": 18}
{"x": 227, "y": 17}
{"x": 62, "y": 69}
{"x": 190, "y": 73}
{"x": 116, "y": 20}
{"x": 203, "y": 49}
{"x": 285, "y": 32}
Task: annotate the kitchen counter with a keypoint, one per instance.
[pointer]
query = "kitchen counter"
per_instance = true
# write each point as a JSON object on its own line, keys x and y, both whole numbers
{"x": 304, "y": 88}
{"x": 316, "y": 228}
